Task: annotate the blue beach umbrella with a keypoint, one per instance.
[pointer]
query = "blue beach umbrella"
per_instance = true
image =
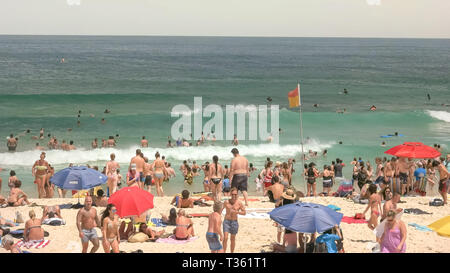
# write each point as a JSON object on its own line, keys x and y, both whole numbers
{"x": 306, "y": 217}
{"x": 78, "y": 178}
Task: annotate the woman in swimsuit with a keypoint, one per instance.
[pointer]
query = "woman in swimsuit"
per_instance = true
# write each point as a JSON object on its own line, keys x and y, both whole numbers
{"x": 267, "y": 174}
{"x": 110, "y": 229}
{"x": 132, "y": 177}
{"x": 206, "y": 181}
{"x": 33, "y": 231}
{"x": 215, "y": 178}
{"x": 159, "y": 171}
{"x": 327, "y": 176}
{"x": 374, "y": 205}
{"x": 153, "y": 234}
{"x": 111, "y": 172}
{"x": 286, "y": 173}
{"x": 312, "y": 174}
{"x": 185, "y": 227}
{"x": 394, "y": 236}
{"x": 39, "y": 171}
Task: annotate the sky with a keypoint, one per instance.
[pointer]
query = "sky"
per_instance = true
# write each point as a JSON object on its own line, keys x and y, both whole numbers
{"x": 273, "y": 18}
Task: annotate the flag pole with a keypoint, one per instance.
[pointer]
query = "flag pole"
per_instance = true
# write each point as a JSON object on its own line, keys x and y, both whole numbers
{"x": 301, "y": 136}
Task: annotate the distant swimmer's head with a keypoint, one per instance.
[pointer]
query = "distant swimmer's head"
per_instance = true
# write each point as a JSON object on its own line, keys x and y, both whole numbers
{"x": 157, "y": 155}
{"x": 143, "y": 137}
{"x": 71, "y": 142}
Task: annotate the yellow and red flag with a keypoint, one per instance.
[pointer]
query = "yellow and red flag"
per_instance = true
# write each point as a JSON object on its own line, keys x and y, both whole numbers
{"x": 294, "y": 97}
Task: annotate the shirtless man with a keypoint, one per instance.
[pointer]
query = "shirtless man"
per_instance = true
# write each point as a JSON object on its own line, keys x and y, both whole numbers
{"x": 17, "y": 196}
{"x": 239, "y": 173}
{"x": 51, "y": 212}
{"x": 12, "y": 143}
{"x": 72, "y": 146}
{"x": 144, "y": 142}
{"x": 391, "y": 205}
{"x": 277, "y": 190}
{"x": 389, "y": 172}
{"x": 230, "y": 224}
{"x": 104, "y": 145}
{"x": 214, "y": 235}
{"x": 39, "y": 171}
{"x": 159, "y": 172}
{"x": 140, "y": 163}
{"x": 235, "y": 141}
{"x": 39, "y": 147}
{"x": 148, "y": 175}
{"x": 87, "y": 220}
{"x": 402, "y": 169}
{"x": 375, "y": 206}
{"x": 111, "y": 173}
{"x": 64, "y": 145}
{"x": 443, "y": 179}
{"x": 94, "y": 144}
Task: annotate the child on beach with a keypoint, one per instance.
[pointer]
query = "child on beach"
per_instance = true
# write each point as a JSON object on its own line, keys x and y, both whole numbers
{"x": 226, "y": 186}
{"x": 189, "y": 177}
{"x": 259, "y": 184}
{"x": 12, "y": 178}
{"x": 214, "y": 235}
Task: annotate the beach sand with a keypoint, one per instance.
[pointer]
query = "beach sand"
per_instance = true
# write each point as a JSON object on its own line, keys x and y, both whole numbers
{"x": 255, "y": 235}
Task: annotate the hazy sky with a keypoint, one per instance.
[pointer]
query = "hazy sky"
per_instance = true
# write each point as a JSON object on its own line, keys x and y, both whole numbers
{"x": 288, "y": 18}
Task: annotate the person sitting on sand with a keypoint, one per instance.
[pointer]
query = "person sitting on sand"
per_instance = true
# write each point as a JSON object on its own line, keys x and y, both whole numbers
{"x": 51, "y": 212}
{"x": 375, "y": 206}
{"x": 110, "y": 229}
{"x": 171, "y": 220}
{"x": 393, "y": 239}
{"x": 16, "y": 196}
{"x": 330, "y": 239}
{"x": 33, "y": 231}
{"x": 289, "y": 243}
{"x": 184, "y": 201}
{"x": 275, "y": 191}
{"x": 8, "y": 244}
{"x": 185, "y": 226}
{"x": 5, "y": 222}
{"x": 100, "y": 200}
{"x": 152, "y": 234}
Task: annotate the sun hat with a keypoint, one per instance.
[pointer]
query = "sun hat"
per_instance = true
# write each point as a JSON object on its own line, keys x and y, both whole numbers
{"x": 289, "y": 194}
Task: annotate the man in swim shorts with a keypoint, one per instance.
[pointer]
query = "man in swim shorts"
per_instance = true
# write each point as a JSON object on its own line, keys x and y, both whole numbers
{"x": 12, "y": 143}
{"x": 444, "y": 175}
{"x": 214, "y": 235}
{"x": 239, "y": 173}
{"x": 87, "y": 220}
{"x": 230, "y": 224}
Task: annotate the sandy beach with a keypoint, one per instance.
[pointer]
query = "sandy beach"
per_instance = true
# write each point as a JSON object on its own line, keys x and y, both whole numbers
{"x": 255, "y": 235}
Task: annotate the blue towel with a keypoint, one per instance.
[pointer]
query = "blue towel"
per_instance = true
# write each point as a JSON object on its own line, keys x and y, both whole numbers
{"x": 158, "y": 222}
{"x": 419, "y": 227}
{"x": 333, "y": 207}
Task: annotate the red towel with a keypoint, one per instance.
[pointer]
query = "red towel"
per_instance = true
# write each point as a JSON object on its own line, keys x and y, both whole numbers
{"x": 351, "y": 220}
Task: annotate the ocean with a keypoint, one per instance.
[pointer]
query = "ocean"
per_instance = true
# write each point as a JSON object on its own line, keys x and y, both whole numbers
{"x": 140, "y": 80}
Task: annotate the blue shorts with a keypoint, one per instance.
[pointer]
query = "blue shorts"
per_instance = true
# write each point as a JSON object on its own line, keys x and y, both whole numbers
{"x": 141, "y": 177}
{"x": 213, "y": 241}
{"x": 230, "y": 226}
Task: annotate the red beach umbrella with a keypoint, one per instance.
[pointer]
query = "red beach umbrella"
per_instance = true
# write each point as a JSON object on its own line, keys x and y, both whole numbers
{"x": 413, "y": 150}
{"x": 131, "y": 201}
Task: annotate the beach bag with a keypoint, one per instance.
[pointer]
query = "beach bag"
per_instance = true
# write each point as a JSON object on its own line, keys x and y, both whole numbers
{"x": 139, "y": 237}
{"x": 437, "y": 202}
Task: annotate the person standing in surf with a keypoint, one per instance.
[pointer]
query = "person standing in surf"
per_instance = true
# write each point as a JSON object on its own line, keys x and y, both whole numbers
{"x": 39, "y": 171}
{"x": 159, "y": 172}
{"x": 239, "y": 173}
{"x": 111, "y": 172}
{"x": 215, "y": 178}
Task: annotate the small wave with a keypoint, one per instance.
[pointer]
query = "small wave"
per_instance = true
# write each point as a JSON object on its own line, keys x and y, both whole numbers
{"x": 81, "y": 156}
{"x": 441, "y": 115}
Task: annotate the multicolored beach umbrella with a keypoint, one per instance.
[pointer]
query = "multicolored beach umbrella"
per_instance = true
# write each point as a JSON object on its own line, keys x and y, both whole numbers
{"x": 413, "y": 150}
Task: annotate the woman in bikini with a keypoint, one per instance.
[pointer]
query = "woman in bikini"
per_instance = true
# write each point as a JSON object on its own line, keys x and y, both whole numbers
{"x": 215, "y": 178}
{"x": 312, "y": 174}
{"x": 111, "y": 172}
{"x": 159, "y": 171}
{"x": 33, "y": 232}
{"x": 327, "y": 176}
{"x": 206, "y": 182}
{"x": 110, "y": 229}
{"x": 267, "y": 174}
{"x": 374, "y": 205}
{"x": 185, "y": 227}
{"x": 286, "y": 173}
{"x": 39, "y": 171}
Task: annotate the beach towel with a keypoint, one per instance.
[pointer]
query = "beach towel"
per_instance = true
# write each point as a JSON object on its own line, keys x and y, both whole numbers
{"x": 65, "y": 206}
{"x": 416, "y": 211}
{"x": 33, "y": 244}
{"x": 157, "y": 222}
{"x": 172, "y": 240}
{"x": 54, "y": 222}
{"x": 333, "y": 207}
{"x": 419, "y": 227}
{"x": 351, "y": 220}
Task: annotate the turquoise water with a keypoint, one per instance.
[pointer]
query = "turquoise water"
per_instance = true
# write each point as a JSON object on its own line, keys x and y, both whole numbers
{"x": 140, "y": 79}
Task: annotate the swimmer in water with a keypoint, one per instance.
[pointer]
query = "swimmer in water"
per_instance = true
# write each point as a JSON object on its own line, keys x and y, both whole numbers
{"x": 383, "y": 144}
{"x": 103, "y": 121}
{"x": 373, "y": 108}
{"x": 107, "y": 111}
{"x": 429, "y": 97}
{"x": 345, "y": 91}
{"x": 269, "y": 99}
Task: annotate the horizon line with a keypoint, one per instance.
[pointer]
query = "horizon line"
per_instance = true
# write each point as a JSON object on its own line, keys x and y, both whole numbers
{"x": 225, "y": 36}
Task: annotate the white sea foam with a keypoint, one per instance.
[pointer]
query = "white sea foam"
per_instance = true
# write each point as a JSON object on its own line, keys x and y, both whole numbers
{"x": 81, "y": 156}
{"x": 441, "y": 115}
